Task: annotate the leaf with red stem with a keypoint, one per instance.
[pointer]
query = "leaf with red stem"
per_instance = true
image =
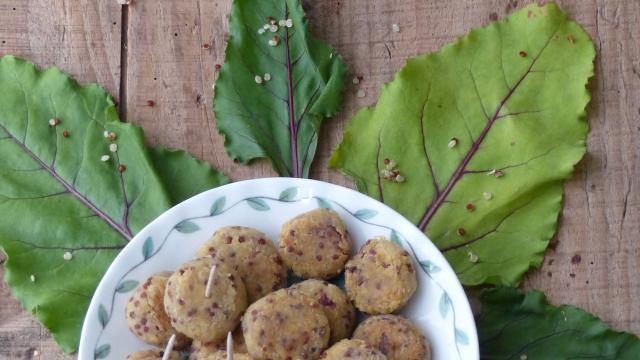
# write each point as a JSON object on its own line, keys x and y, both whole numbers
{"x": 276, "y": 86}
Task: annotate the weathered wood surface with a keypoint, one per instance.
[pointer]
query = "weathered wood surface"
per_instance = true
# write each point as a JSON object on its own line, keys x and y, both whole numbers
{"x": 170, "y": 50}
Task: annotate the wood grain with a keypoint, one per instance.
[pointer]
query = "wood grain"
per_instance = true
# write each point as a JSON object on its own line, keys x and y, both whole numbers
{"x": 170, "y": 51}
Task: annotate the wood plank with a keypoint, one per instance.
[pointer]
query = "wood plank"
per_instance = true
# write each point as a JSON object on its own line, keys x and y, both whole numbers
{"x": 601, "y": 219}
{"x": 83, "y": 39}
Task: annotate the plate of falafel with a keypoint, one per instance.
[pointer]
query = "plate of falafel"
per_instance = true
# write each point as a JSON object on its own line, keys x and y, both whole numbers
{"x": 280, "y": 269}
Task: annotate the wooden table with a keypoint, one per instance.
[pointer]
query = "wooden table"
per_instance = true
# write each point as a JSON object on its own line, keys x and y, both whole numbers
{"x": 166, "y": 50}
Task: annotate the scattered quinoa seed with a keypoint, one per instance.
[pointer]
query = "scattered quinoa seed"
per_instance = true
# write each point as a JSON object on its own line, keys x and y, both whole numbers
{"x": 452, "y": 143}
{"x": 289, "y": 23}
{"x": 399, "y": 178}
{"x": 54, "y": 122}
{"x": 33, "y": 278}
{"x": 275, "y": 40}
{"x": 361, "y": 93}
{"x": 356, "y": 81}
{"x": 122, "y": 168}
{"x": 67, "y": 256}
{"x": 461, "y": 232}
{"x": 218, "y": 66}
{"x": 112, "y": 136}
{"x": 487, "y": 195}
{"x": 265, "y": 27}
{"x": 470, "y": 207}
{"x": 472, "y": 257}
{"x": 105, "y": 158}
{"x": 261, "y": 31}
{"x": 499, "y": 174}
{"x": 151, "y": 103}
{"x": 523, "y": 54}
{"x": 523, "y": 357}
{"x": 282, "y": 22}
{"x": 273, "y": 28}
{"x": 65, "y": 133}
{"x": 106, "y": 134}
{"x": 258, "y": 79}
{"x": 395, "y": 28}
{"x": 113, "y": 147}
{"x": 267, "y": 77}
{"x": 492, "y": 172}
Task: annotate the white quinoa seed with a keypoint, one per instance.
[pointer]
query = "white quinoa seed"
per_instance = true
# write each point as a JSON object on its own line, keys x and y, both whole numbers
{"x": 355, "y": 81}
{"x": 282, "y": 23}
{"x": 67, "y": 256}
{"x": 106, "y": 134}
{"x": 395, "y": 28}
{"x": 399, "y": 179}
{"x": 473, "y": 257}
{"x": 487, "y": 195}
{"x": 266, "y": 26}
{"x": 53, "y": 122}
{"x": 33, "y": 278}
{"x": 267, "y": 77}
{"x": 289, "y": 23}
{"x": 105, "y": 158}
{"x": 261, "y": 31}
{"x": 361, "y": 93}
{"x": 492, "y": 172}
{"x": 453, "y": 143}
{"x": 258, "y": 79}
{"x": 273, "y": 28}
{"x": 113, "y": 147}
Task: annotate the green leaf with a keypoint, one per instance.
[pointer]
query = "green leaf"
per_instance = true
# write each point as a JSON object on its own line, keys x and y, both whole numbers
{"x": 258, "y": 204}
{"x": 187, "y": 227}
{"x": 397, "y": 238}
{"x": 289, "y": 194}
{"x": 147, "y": 248}
{"x": 278, "y": 119}
{"x": 57, "y": 196}
{"x": 126, "y": 286}
{"x": 508, "y": 99}
{"x": 513, "y": 325}
{"x": 184, "y": 175}
{"x": 461, "y": 337}
{"x": 102, "y": 351}
{"x": 218, "y": 206}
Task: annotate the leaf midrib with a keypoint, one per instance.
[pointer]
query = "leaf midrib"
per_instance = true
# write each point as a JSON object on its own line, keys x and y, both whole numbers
{"x": 124, "y": 231}
{"x": 437, "y": 202}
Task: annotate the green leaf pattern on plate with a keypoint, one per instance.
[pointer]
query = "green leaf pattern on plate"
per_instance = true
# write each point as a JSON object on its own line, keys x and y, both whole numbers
{"x": 323, "y": 203}
{"x": 126, "y": 286}
{"x": 289, "y": 194}
{"x": 103, "y": 315}
{"x": 217, "y": 206}
{"x": 365, "y": 214}
{"x": 147, "y": 248}
{"x": 102, "y": 351}
{"x": 258, "y": 204}
{"x": 187, "y": 227}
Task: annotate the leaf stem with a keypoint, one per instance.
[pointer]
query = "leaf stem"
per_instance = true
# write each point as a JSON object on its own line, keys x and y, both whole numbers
{"x": 460, "y": 170}
{"x": 296, "y": 170}
{"x": 122, "y": 230}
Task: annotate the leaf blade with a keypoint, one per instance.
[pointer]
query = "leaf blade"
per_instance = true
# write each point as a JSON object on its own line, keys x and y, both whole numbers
{"x": 306, "y": 78}
{"x": 540, "y": 330}
{"x": 470, "y": 126}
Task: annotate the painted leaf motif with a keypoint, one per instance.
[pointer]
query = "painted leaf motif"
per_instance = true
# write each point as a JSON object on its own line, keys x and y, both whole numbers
{"x": 494, "y": 122}
{"x": 258, "y": 204}
{"x": 56, "y": 195}
{"x": 444, "y": 305}
{"x": 147, "y": 248}
{"x": 126, "y": 286}
{"x": 218, "y": 206}
{"x": 323, "y": 203}
{"x": 187, "y": 227}
{"x": 301, "y": 84}
{"x": 513, "y": 325}
{"x": 289, "y": 194}
{"x": 461, "y": 337}
{"x": 365, "y": 214}
{"x": 396, "y": 237}
{"x": 102, "y": 351}
{"x": 429, "y": 267}
{"x": 103, "y": 315}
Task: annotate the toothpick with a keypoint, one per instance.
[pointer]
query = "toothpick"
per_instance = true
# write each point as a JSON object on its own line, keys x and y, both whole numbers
{"x": 207, "y": 291}
{"x": 169, "y": 349}
{"x": 229, "y": 346}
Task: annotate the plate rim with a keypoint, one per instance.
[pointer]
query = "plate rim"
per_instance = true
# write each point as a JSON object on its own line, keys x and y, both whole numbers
{"x": 84, "y": 350}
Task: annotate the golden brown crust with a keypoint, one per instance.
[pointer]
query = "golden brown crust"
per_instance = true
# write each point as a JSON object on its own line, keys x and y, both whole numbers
{"x": 380, "y": 278}
{"x": 335, "y": 304}
{"x": 253, "y": 256}
{"x": 146, "y": 316}
{"x": 200, "y": 317}
{"x": 315, "y": 244}
{"x": 285, "y": 325}
{"x": 395, "y": 336}
{"x": 352, "y": 349}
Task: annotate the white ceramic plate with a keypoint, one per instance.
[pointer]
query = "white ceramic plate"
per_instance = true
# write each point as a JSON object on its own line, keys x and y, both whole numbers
{"x": 439, "y": 307}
